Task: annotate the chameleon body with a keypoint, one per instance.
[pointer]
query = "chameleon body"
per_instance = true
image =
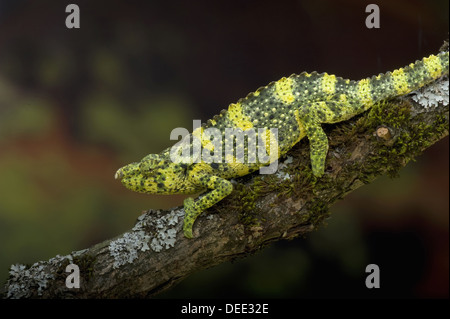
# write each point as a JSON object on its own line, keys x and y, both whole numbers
{"x": 296, "y": 106}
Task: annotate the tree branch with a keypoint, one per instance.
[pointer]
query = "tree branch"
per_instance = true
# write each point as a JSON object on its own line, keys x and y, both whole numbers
{"x": 154, "y": 255}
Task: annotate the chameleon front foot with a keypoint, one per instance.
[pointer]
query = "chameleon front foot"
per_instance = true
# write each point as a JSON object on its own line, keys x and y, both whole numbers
{"x": 189, "y": 217}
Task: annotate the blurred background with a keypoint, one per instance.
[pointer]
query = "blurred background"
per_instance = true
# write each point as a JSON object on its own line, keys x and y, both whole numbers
{"x": 76, "y": 104}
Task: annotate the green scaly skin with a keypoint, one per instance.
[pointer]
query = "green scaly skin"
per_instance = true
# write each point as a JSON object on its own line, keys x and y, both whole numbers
{"x": 296, "y": 106}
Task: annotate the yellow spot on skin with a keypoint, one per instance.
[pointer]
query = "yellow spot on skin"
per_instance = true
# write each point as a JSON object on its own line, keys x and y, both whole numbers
{"x": 343, "y": 98}
{"x": 238, "y": 118}
{"x": 433, "y": 66}
{"x": 399, "y": 82}
{"x": 197, "y": 133}
{"x": 283, "y": 89}
{"x": 256, "y": 93}
{"x": 326, "y": 110}
{"x": 240, "y": 169}
{"x": 271, "y": 143}
{"x": 300, "y": 126}
{"x": 206, "y": 143}
{"x": 328, "y": 84}
{"x": 322, "y": 104}
{"x": 364, "y": 92}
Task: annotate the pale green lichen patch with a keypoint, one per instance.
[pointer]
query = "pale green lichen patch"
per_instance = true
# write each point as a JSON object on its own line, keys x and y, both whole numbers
{"x": 153, "y": 231}
{"x": 30, "y": 281}
{"x": 24, "y": 281}
{"x": 281, "y": 174}
{"x": 433, "y": 94}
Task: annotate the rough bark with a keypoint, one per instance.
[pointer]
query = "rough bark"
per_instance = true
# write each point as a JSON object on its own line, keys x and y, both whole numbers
{"x": 154, "y": 255}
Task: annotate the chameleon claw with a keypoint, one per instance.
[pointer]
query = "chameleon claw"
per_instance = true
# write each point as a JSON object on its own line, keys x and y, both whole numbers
{"x": 187, "y": 232}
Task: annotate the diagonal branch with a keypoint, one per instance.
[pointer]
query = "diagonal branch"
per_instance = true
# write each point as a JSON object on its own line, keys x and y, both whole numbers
{"x": 154, "y": 255}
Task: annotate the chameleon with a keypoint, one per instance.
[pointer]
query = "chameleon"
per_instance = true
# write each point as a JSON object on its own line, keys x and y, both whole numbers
{"x": 296, "y": 106}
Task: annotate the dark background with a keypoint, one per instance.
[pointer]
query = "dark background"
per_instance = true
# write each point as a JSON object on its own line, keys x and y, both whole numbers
{"x": 76, "y": 104}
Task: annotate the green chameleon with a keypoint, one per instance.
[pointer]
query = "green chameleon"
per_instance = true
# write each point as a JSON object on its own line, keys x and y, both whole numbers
{"x": 296, "y": 106}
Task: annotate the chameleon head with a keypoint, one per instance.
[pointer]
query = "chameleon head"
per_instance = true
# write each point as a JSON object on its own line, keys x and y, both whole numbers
{"x": 154, "y": 174}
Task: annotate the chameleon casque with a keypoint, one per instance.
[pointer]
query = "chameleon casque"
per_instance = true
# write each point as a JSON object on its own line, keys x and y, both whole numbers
{"x": 296, "y": 106}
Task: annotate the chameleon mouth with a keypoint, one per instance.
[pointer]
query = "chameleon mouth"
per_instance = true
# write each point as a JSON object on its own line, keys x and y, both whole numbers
{"x": 119, "y": 174}
{"x": 127, "y": 171}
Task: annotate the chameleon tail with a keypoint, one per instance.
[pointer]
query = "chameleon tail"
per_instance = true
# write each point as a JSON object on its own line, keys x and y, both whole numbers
{"x": 403, "y": 80}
